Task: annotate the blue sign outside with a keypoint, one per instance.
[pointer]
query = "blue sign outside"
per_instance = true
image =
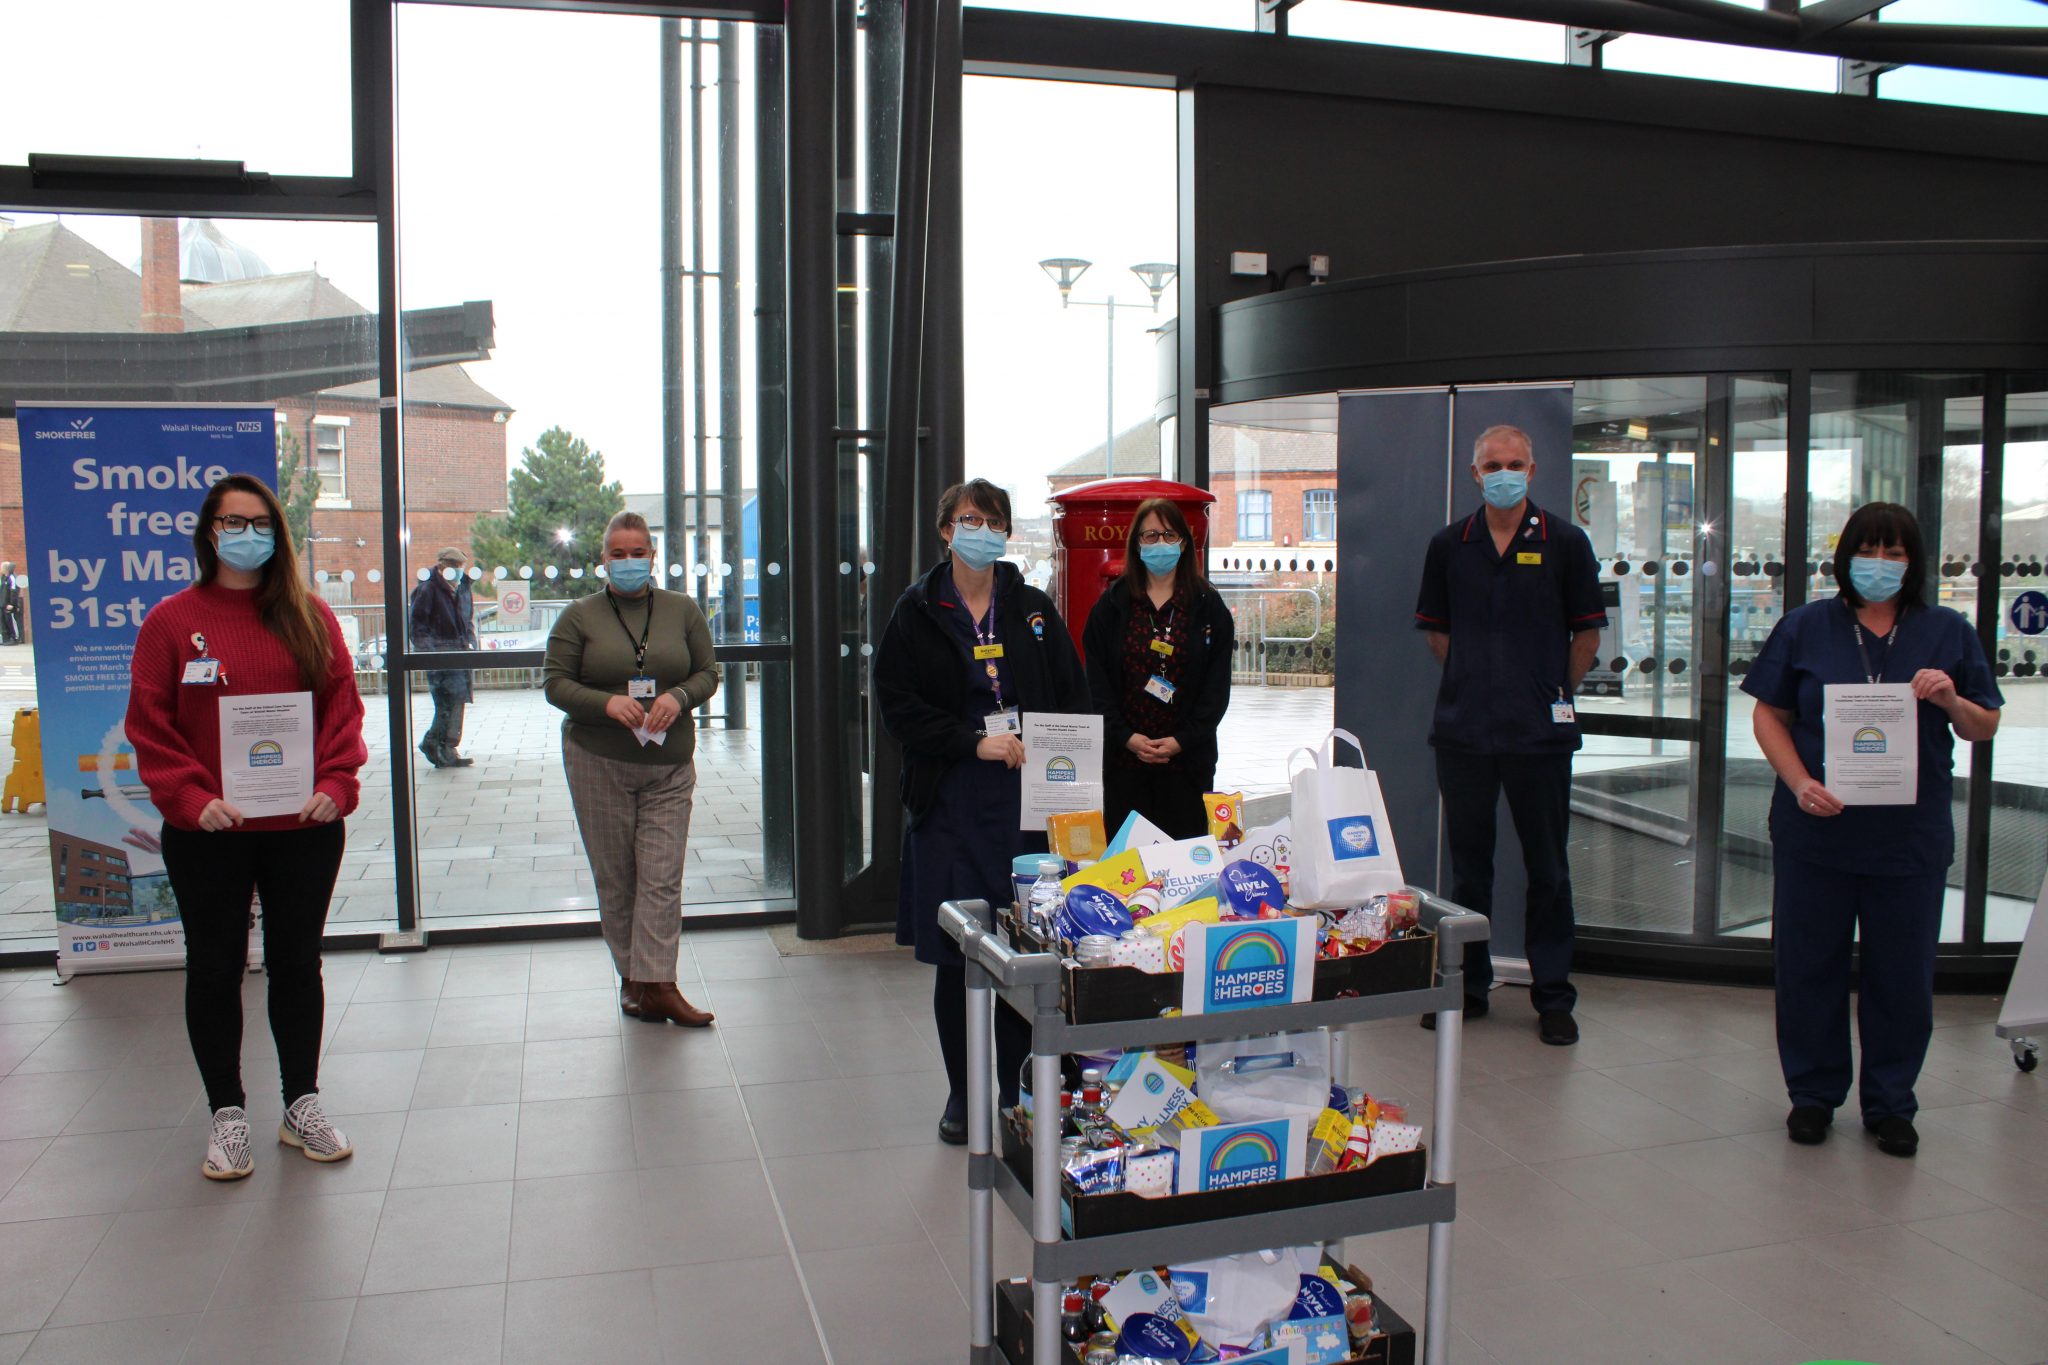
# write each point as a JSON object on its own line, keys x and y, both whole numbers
{"x": 2029, "y": 612}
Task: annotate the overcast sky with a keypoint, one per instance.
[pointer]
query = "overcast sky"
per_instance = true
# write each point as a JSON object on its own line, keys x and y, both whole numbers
{"x": 529, "y": 161}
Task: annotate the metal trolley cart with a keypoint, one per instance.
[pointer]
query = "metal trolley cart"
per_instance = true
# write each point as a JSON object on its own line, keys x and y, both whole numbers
{"x": 1030, "y": 982}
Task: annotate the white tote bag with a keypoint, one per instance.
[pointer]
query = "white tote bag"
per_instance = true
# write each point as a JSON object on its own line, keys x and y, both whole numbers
{"x": 1343, "y": 845}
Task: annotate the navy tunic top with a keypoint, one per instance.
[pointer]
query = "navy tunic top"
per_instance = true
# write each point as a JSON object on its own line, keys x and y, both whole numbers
{"x": 1815, "y": 645}
{"x": 1510, "y": 618}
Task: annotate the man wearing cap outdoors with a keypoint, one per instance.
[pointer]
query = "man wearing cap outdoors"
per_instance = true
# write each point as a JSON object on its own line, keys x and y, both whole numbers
{"x": 1511, "y": 603}
{"x": 443, "y": 616}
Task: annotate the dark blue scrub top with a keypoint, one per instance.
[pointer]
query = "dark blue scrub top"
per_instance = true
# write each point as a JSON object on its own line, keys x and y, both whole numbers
{"x": 982, "y": 700}
{"x": 1511, "y": 618}
{"x": 1815, "y": 645}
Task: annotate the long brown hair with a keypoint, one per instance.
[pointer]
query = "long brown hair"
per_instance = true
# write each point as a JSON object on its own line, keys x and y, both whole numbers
{"x": 287, "y": 609}
{"x": 1187, "y": 575}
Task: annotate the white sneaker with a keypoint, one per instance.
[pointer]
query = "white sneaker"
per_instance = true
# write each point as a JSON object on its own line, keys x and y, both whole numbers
{"x": 227, "y": 1147}
{"x": 307, "y": 1127}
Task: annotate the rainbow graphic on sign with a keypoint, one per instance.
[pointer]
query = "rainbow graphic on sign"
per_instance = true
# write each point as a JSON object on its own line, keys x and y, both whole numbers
{"x": 1247, "y": 964}
{"x": 266, "y": 753}
{"x": 1868, "y": 740}
{"x": 1060, "y": 769}
{"x": 1229, "y": 1156}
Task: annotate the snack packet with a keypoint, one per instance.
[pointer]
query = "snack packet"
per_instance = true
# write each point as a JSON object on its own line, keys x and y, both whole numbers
{"x": 1226, "y": 817}
{"x": 1077, "y": 836}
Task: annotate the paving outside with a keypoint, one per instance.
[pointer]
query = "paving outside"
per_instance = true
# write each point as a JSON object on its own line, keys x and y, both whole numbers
{"x": 499, "y": 838}
{"x": 537, "y": 1180}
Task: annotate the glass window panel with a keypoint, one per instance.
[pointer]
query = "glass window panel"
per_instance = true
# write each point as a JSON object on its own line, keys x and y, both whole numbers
{"x": 1635, "y": 452}
{"x": 142, "y": 78}
{"x": 1756, "y": 602}
{"x": 1968, "y": 89}
{"x": 1396, "y": 26}
{"x": 1658, "y": 56}
{"x": 1059, "y": 170}
{"x": 263, "y": 285}
{"x": 1319, "y": 515}
{"x": 1281, "y": 593}
{"x": 562, "y": 416}
{"x": 2019, "y": 803}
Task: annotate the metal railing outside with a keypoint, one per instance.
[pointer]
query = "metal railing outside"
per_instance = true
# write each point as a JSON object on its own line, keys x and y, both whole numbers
{"x": 1259, "y": 649}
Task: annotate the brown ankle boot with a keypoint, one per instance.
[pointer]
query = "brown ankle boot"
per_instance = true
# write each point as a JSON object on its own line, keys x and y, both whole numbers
{"x": 661, "y": 1002}
{"x": 629, "y": 999}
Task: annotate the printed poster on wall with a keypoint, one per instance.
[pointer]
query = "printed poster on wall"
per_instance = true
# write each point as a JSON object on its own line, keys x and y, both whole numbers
{"x": 110, "y": 498}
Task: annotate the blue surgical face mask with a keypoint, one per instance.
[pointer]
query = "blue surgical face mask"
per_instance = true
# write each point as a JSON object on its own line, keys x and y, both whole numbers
{"x": 1160, "y": 559}
{"x": 245, "y": 549}
{"x": 978, "y": 546}
{"x": 629, "y": 575}
{"x": 1504, "y": 488}
{"x": 1876, "y": 580}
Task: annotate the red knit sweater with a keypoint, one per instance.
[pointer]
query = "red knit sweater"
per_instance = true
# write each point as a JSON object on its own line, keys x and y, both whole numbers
{"x": 175, "y": 728}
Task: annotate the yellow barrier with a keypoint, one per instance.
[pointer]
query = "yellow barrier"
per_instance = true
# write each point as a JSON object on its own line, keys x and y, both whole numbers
{"x": 25, "y": 782}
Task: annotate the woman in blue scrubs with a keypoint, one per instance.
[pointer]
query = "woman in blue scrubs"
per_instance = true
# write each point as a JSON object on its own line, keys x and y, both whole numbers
{"x": 1874, "y": 873}
{"x": 970, "y": 649}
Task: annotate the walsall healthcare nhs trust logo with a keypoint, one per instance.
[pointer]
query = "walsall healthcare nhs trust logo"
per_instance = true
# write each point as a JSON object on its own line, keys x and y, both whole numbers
{"x": 265, "y": 753}
{"x": 1248, "y": 967}
{"x": 1868, "y": 740}
{"x": 1250, "y": 1155}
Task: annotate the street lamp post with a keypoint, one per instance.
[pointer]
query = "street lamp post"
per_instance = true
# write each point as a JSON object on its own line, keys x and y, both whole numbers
{"x": 1065, "y": 271}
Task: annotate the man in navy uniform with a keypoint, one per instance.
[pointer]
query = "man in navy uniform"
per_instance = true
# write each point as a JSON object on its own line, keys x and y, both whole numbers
{"x": 1511, "y": 603}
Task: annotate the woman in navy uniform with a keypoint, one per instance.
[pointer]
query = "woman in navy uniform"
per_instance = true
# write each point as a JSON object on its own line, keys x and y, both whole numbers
{"x": 969, "y": 648}
{"x": 1880, "y": 870}
{"x": 1159, "y": 642}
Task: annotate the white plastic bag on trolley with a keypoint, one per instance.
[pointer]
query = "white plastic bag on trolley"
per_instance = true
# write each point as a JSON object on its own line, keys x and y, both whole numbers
{"x": 1343, "y": 845}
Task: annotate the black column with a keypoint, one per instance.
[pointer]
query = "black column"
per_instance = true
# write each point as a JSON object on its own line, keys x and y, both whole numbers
{"x": 771, "y": 343}
{"x": 809, "y": 185}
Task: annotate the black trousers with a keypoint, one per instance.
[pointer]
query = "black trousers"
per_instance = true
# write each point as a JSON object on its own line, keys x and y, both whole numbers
{"x": 949, "y": 1013}
{"x": 1538, "y": 788}
{"x": 213, "y": 876}
{"x": 1170, "y": 798}
{"x": 1815, "y": 914}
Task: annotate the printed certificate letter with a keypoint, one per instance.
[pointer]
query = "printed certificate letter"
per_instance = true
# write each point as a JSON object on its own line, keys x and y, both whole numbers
{"x": 266, "y": 752}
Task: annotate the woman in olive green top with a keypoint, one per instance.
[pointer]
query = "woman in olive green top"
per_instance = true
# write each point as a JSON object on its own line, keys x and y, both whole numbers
{"x": 626, "y": 666}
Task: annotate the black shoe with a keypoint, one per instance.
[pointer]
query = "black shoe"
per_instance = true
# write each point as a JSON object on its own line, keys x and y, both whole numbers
{"x": 1807, "y": 1124}
{"x": 1895, "y": 1136}
{"x": 1475, "y": 1008}
{"x": 434, "y": 754}
{"x": 953, "y": 1132}
{"x": 451, "y": 759}
{"x": 1557, "y": 1028}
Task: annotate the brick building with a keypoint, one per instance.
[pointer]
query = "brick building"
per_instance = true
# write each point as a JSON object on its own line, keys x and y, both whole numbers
{"x": 1275, "y": 517}
{"x": 194, "y": 278}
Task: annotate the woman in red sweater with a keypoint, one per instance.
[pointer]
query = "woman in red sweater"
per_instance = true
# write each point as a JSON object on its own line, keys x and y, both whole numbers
{"x": 248, "y": 626}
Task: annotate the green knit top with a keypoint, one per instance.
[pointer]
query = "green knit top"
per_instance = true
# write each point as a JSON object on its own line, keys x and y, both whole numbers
{"x": 590, "y": 661}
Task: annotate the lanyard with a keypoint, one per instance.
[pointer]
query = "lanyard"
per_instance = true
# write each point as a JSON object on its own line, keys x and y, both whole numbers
{"x": 985, "y": 635}
{"x": 1861, "y": 654}
{"x": 640, "y": 648}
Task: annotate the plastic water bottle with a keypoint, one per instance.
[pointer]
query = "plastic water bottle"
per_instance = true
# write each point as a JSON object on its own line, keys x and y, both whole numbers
{"x": 1045, "y": 896}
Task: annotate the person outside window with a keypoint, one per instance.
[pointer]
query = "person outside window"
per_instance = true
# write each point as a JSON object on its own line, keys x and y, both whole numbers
{"x": 442, "y": 616}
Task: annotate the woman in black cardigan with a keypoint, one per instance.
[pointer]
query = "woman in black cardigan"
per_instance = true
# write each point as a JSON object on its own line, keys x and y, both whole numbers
{"x": 970, "y": 647}
{"x": 1159, "y": 643}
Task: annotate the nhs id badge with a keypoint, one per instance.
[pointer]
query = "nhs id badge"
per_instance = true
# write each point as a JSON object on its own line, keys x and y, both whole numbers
{"x": 1008, "y": 721}
{"x": 1160, "y": 688}
{"x": 1561, "y": 713}
{"x": 640, "y": 689}
{"x": 202, "y": 672}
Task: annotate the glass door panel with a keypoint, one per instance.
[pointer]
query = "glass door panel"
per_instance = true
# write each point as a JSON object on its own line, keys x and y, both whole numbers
{"x": 1635, "y": 785}
{"x": 2019, "y": 803}
{"x": 1756, "y": 600}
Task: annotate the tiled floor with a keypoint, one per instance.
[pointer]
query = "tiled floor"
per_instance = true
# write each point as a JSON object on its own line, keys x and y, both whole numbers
{"x": 538, "y": 1180}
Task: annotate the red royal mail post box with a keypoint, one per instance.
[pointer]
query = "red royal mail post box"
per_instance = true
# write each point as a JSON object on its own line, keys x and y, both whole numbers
{"x": 1090, "y": 524}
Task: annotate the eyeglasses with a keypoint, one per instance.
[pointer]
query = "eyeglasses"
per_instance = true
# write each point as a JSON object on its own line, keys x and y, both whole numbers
{"x": 1158, "y": 537}
{"x": 262, "y": 526}
{"x": 974, "y": 523}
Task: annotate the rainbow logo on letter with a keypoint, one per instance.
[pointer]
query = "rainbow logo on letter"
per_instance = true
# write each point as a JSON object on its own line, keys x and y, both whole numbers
{"x": 266, "y": 753}
{"x": 1868, "y": 740}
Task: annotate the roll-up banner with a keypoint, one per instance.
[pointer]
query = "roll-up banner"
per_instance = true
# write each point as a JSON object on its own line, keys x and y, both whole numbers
{"x": 110, "y": 498}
